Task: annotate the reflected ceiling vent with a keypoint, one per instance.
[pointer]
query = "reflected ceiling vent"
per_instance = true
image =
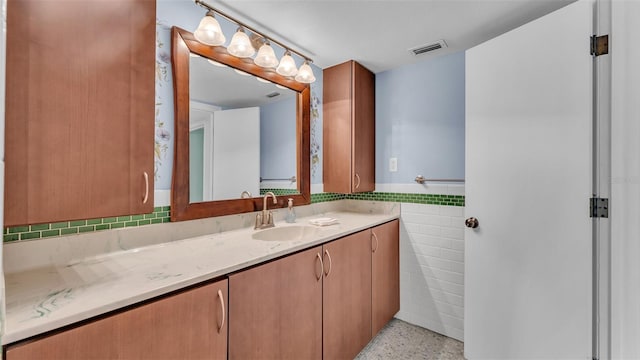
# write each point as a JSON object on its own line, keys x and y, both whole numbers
{"x": 273, "y": 94}
{"x": 419, "y": 50}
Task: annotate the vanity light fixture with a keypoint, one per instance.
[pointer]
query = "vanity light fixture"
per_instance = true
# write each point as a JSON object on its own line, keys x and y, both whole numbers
{"x": 266, "y": 56}
{"x": 209, "y": 33}
{"x": 305, "y": 74}
{"x": 240, "y": 45}
{"x": 287, "y": 65}
{"x": 213, "y": 62}
{"x": 240, "y": 72}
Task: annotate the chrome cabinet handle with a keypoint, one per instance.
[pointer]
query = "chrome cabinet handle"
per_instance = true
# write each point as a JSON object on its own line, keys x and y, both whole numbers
{"x": 318, "y": 276}
{"x": 374, "y": 236}
{"x": 358, "y": 180}
{"x": 326, "y": 252}
{"x": 146, "y": 188}
{"x": 224, "y": 311}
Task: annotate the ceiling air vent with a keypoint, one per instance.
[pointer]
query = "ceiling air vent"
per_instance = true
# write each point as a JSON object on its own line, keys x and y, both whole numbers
{"x": 440, "y": 44}
{"x": 273, "y": 94}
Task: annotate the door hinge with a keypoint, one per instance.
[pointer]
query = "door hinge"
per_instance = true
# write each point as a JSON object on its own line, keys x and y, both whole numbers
{"x": 599, "y": 207}
{"x": 599, "y": 45}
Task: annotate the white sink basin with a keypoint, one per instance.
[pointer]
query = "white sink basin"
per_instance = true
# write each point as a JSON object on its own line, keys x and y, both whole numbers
{"x": 286, "y": 233}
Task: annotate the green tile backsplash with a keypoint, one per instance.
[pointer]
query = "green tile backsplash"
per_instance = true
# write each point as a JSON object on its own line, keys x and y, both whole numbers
{"x": 162, "y": 214}
{"x": 279, "y": 192}
{"x": 431, "y": 199}
{"x": 159, "y": 215}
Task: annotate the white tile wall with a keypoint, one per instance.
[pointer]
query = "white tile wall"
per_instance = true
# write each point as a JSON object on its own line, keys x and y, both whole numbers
{"x": 432, "y": 267}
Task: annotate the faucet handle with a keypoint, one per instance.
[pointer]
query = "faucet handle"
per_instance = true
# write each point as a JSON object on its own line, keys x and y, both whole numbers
{"x": 258, "y": 221}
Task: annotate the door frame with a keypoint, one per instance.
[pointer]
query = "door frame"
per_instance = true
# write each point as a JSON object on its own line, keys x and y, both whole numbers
{"x": 602, "y": 187}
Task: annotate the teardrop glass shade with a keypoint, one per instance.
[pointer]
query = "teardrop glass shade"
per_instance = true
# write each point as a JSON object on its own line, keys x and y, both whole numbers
{"x": 240, "y": 45}
{"x": 287, "y": 66}
{"x": 209, "y": 31}
{"x": 266, "y": 57}
{"x": 305, "y": 74}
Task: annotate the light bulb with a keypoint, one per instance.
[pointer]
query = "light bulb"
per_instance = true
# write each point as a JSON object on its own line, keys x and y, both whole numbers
{"x": 287, "y": 65}
{"x": 305, "y": 74}
{"x": 240, "y": 45}
{"x": 266, "y": 56}
{"x": 209, "y": 31}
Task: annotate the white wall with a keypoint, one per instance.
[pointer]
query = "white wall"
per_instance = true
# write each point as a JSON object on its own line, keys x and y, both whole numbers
{"x": 432, "y": 268}
{"x": 625, "y": 180}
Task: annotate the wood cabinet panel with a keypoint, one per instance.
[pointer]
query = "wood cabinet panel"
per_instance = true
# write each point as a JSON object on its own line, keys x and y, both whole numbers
{"x": 188, "y": 325}
{"x": 347, "y": 296}
{"x": 385, "y": 265}
{"x": 364, "y": 127}
{"x": 276, "y": 309}
{"x": 348, "y": 128}
{"x": 79, "y": 109}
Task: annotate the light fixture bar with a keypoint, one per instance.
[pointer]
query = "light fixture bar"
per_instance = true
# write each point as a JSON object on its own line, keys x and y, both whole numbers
{"x": 253, "y": 30}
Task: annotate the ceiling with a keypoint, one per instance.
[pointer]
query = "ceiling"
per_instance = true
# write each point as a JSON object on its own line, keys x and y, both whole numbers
{"x": 232, "y": 89}
{"x": 379, "y": 34}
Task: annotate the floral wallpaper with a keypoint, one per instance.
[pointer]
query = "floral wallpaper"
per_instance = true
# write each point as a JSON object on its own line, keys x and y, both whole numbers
{"x": 164, "y": 108}
{"x": 316, "y": 128}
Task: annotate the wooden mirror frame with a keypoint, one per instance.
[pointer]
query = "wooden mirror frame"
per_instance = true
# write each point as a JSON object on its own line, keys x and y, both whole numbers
{"x": 182, "y": 44}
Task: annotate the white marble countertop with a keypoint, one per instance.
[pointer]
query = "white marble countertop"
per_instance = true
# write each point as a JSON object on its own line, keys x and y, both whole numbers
{"x": 52, "y": 296}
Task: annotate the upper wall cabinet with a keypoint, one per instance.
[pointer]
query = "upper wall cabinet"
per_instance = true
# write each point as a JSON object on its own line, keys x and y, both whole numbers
{"x": 349, "y": 128}
{"x": 79, "y": 109}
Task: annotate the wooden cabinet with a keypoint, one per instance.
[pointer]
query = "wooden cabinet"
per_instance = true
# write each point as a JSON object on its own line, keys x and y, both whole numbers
{"x": 188, "y": 325}
{"x": 385, "y": 265}
{"x": 276, "y": 309}
{"x": 79, "y": 135}
{"x": 348, "y": 128}
{"x": 346, "y": 296}
{"x": 320, "y": 303}
{"x": 326, "y": 302}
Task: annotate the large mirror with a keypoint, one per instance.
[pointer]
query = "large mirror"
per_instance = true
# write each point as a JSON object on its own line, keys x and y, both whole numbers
{"x": 240, "y": 130}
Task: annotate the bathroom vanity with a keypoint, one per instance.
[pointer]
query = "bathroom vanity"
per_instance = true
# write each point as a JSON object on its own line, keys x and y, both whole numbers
{"x": 295, "y": 290}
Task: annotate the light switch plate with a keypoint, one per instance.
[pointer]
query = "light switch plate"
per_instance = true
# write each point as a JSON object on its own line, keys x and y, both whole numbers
{"x": 393, "y": 164}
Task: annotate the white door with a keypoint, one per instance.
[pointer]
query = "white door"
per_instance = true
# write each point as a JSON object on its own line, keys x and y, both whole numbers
{"x": 236, "y": 153}
{"x": 528, "y": 272}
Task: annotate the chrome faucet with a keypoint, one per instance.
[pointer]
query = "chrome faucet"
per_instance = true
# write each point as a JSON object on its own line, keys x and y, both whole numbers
{"x": 265, "y": 218}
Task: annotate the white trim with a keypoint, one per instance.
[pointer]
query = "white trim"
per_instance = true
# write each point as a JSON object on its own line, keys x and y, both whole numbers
{"x": 161, "y": 198}
{"x": 207, "y": 146}
{"x": 602, "y": 186}
{"x": 439, "y": 189}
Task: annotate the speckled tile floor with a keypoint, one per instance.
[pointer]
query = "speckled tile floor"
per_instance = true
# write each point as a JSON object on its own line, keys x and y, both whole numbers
{"x": 401, "y": 340}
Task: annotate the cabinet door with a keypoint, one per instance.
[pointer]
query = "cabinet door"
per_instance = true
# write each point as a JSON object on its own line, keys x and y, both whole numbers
{"x": 80, "y": 109}
{"x": 349, "y": 128}
{"x": 363, "y": 134}
{"x": 337, "y": 129}
{"x": 347, "y": 296}
{"x": 276, "y": 309}
{"x": 385, "y": 265}
{"x": 189, "y": 325}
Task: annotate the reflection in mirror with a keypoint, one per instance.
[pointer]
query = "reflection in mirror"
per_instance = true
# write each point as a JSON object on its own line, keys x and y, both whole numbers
{"x": 200, "y": 147}
{"x": 242, "y": 133}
